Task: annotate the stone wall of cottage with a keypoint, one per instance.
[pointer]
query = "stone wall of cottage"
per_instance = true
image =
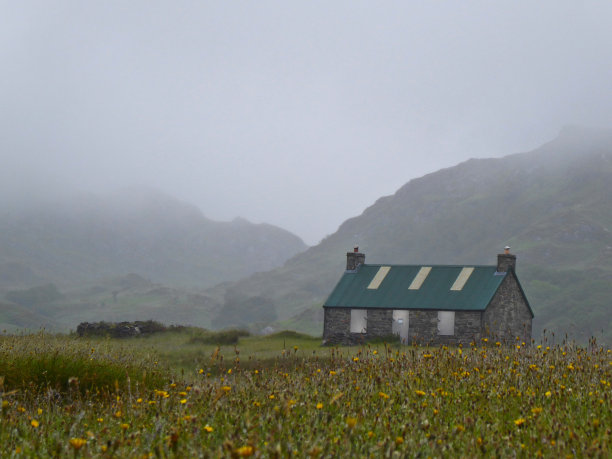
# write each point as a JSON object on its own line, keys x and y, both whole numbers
{"x": 507, "y": 316}
{"x": 423, "y": 327}
{"x": 337, "y": 326}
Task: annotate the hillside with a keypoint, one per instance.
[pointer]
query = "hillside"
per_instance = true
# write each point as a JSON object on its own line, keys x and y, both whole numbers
{"x": 552, "y": 205}
{"x": 142, "y": 231}
{"x": 128, "y": 256}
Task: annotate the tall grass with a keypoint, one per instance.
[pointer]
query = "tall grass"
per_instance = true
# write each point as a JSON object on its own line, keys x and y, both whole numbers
{"x": 286, "y": 395}
{"x": 64, "y": 363}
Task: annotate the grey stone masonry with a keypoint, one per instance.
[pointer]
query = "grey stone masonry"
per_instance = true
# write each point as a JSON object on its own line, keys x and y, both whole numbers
{"x": 423, "y": 327}
{"x": 508, "y": 316}
{"x": 505, "y": 261}
{"x": 336, "y": 326}
{"x": 354, "y": 259}
{"x": 380, "y": 322}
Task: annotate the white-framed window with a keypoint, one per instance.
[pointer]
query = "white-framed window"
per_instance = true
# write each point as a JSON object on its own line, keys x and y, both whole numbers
{"x": 359, "y": 320}
{"x": 446, "y": 322}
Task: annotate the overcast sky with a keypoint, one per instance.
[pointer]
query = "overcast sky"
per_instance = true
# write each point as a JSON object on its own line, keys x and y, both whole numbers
{"x": 299, "y": 114}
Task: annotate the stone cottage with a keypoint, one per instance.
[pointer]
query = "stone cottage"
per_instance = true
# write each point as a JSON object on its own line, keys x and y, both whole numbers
{"x": 427, "y": 304}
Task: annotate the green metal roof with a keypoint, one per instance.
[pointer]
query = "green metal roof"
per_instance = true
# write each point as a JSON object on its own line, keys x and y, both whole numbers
{"x": 434, "y": 293}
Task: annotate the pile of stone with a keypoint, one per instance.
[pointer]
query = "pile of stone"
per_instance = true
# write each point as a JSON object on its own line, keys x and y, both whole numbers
{"x": 121, "y": 329}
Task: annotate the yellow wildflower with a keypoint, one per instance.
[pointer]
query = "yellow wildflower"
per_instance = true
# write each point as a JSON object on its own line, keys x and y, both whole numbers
{"x": 208, "y": 428}
{"x": 35, "y": 423}
{"x": 245, "y": 451}
{"x": 77, "y": 443}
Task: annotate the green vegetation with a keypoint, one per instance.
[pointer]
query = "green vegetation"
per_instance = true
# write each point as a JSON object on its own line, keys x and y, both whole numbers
{"x": 41, "y": 362}
{"x": 223, "y": 337}
{"x": 284, "y": 395}
{"x": 35, "y": 296}
{"x": 86, "y": 239}
{"x": 552, "y": 205}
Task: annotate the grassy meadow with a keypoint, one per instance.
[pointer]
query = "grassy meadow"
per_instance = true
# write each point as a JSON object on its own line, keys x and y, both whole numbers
{"x": 191, "y": 393}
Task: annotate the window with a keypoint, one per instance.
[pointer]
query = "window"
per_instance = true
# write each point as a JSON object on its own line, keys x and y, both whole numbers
{"x": 446, "y": 322}
{"x": 359, "y": 320}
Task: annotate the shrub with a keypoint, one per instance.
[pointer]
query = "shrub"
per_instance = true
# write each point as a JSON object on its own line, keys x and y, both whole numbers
{"x": 223, "y": 337}
{"x": 290, "y": 334}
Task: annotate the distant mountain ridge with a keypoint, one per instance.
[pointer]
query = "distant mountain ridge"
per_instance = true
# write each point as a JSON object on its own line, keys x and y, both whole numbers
{"x": 89, "y": 237}
{"x": 552, "y": 205}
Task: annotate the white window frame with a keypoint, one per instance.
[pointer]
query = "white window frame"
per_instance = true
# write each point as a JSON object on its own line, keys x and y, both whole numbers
{"x": 359, "y": 320}
{"x": 446, "y": 323}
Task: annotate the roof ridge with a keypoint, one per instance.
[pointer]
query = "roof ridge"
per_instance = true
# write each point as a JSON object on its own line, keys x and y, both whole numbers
{"x": 429, "y": 264}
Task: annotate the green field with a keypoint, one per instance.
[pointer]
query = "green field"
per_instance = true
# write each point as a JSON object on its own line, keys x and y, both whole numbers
{"x": 178, "y": 394}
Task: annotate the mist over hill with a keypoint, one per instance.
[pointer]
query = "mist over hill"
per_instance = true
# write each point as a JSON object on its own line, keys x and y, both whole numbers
{"x": 140, "y": 254}
{"x": 85, "y": 238}
{"x": 553, "y": 205}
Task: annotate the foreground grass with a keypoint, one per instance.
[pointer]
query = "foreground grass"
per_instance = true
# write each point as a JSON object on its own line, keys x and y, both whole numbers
{"x": 285, "y": 395}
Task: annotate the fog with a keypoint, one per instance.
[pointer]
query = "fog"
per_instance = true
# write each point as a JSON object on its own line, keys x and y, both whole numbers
{"x": 295, "y": 114}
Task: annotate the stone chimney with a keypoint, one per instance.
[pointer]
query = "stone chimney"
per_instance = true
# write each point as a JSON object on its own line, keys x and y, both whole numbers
{"x": 506, "y": 261}
{"x": 354, "y": 259}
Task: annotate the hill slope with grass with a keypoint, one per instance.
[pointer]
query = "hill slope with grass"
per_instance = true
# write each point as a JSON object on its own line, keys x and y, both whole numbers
{"x": 87, "y": 238}
{"x": 553, "y": 205}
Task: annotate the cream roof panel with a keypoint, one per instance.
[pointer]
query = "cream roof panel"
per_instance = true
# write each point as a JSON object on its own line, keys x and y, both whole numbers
{"x": 419, "y": 278}
{"x": 379, "y": 277}
{"x": 462, "y": 278}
